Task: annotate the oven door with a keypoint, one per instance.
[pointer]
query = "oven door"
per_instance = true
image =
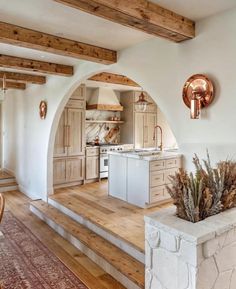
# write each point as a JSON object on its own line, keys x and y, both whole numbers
{"x": 103, "y": 163}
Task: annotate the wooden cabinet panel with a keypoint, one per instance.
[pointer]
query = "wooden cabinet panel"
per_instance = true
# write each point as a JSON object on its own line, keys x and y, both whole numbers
{"x": 171, "y": 163}
{"x": 92, "y": 167}
{"x": 92, "y": 152}
{"x": 79, "y": 93}
{"x": 157, "y": 194}
{"x": 139, "y": 129}
{"x": 74, "y": 103}
{"x": 74, "y": 169}
{"x": 169, "y": 172}
{"x": 75, "y": 119}
{"x": 59, "y": 171}
{"x": 150, "y": 120}
{"x": 60, "y": 149}
{"x": 157, "y": 165}
{"x": 157, "y": 178}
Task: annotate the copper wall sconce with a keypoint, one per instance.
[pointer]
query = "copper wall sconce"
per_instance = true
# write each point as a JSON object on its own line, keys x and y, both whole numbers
{"x": 43, "y": 109}
{"x": 198, "y": 92}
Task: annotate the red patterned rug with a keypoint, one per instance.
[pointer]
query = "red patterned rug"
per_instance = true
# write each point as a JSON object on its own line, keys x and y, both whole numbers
{"x": 25, "y": 263}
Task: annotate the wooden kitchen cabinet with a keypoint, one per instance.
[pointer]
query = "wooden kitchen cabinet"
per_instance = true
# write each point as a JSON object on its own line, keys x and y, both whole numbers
{"x": 144, "y": 124}
{"x": 92, "y": 168}
{"x": 66, "y": 170}
{"x": 75, "y": 122}
{"x": 60, "y": 149}
{"x": 59, "y": 171}
{"x": 92, "y": 163}
{"x": 138, "y": 127}
{"x": 74, "y": 169}
{"x": 69, "y": 146}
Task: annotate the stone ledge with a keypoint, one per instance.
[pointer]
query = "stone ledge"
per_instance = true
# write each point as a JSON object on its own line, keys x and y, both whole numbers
{"x": 196, "y": 233}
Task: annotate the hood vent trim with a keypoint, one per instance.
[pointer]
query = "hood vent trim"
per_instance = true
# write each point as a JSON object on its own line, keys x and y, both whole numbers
{"x": 104, "y": 99}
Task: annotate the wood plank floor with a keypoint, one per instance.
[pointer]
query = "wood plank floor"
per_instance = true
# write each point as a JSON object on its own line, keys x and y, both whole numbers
{"x": 115, "y": 216}
{"x": 92, "y": 275}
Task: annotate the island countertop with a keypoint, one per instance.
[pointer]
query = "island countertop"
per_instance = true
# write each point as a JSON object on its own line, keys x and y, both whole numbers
{"x": 147, "y": 155}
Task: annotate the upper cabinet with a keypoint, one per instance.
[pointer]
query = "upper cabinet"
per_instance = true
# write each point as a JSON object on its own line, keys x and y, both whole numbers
{"x": 138, "y": 126}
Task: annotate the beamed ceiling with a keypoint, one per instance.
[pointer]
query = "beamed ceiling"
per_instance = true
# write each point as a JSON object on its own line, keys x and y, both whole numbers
{"x": 49, "y": 37}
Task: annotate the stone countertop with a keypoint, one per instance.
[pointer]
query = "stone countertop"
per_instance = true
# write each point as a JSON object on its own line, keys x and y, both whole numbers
{"x": 197, "y": 233}
{"x": 147, "y": 155}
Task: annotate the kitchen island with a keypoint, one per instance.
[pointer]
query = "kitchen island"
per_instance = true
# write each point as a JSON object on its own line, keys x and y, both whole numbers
{"x": 140, "y": 177}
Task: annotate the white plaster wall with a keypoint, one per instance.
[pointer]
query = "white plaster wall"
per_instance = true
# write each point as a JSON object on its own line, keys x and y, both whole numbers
{"x": 169, "y": 140}
{"x": 161, "y": 67}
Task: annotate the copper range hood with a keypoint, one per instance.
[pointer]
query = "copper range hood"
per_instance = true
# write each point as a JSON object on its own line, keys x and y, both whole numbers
{"x": 104, "y": 99}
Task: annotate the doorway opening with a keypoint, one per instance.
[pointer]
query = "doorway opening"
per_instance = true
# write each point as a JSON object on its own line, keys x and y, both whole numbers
{"x": 103, "y": 115}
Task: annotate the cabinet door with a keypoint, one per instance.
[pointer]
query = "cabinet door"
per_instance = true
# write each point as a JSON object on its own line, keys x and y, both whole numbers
{"x": 75, "y": 121}
{"x": 59, "y": 171}
{"x": 79, "y": 93}
{"x": 139, "y": 130}
{"x": 150, "y": 121}
{"x": 74, "y": 169}
{"x": 60, "y": 149}
{"x": 92, "y": 167}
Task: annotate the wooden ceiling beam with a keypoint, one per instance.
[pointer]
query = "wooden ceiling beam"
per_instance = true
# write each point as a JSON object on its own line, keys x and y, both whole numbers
{"x": 14, "y": 85}
{"x": 139, "y": 14}
{"x": 35, "y": 65}
{"x": 22, "y": 77}
{"x": 114, "y": 79}
{"x": 28, "y": 38}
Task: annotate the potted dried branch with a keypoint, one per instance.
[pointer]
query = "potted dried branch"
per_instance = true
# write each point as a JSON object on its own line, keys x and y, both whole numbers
{"x": 208, "y": 192}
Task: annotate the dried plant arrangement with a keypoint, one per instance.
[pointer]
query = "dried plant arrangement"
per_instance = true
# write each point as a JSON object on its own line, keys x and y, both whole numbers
{"x": 205, "y": 193}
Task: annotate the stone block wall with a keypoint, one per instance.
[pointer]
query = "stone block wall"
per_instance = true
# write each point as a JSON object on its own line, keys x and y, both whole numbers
{"x": 183, "y": 255}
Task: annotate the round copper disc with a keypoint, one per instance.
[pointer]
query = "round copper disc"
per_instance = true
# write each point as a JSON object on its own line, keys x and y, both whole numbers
{"x": 201, "y": 84}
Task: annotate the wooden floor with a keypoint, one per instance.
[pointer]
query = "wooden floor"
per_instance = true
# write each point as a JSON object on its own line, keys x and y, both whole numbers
{"x": 115, "y": 216}
{"x": 92, "y": 275}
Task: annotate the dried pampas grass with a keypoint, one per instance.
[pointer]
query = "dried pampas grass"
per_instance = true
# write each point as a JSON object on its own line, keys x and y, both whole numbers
{"x": 207, "y": 192}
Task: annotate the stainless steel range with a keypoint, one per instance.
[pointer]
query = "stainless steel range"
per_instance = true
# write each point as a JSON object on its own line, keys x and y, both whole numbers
{"x": 104, "y": 149}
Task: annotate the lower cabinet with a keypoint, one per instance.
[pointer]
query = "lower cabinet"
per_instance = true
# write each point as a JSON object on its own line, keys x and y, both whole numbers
{"x": 92, "y": 167}
{"x": 92, "y": 163}
{"x": 66, "y": 170}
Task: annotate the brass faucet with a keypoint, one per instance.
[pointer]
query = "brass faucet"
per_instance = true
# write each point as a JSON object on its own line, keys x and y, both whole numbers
{"x": 154, "y": 136}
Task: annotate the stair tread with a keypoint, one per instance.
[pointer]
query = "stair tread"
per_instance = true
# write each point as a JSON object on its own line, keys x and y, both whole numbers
{"x": 124, "y": 263}
{"x": 10, "y": 184}
{"x": 99, "y": 218}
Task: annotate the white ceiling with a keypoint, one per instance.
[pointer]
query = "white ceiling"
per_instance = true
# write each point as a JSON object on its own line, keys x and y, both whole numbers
{"x": 196, "y": 9}
{"x": 54, "y": 18}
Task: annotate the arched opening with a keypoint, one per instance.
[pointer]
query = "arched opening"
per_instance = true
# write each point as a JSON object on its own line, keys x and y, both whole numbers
{"x": 75, "y": 127}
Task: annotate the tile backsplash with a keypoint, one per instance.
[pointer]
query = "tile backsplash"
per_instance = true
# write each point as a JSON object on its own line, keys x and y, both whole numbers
{"x": 92, "y": 130}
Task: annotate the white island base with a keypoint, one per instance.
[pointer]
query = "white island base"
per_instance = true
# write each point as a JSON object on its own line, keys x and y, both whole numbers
{"x": 141, "y": 180}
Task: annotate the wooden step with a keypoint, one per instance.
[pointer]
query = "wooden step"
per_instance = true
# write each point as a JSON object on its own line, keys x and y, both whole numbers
{"x": 123, "y": 267}
{"x": 104, "y": 222}
{"x": 9, "y": 186}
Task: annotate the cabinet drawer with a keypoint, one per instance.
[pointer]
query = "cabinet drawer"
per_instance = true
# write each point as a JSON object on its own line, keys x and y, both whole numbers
{"x": 90, "y": 152}
{"x": 157, "y": 179}
{"x": 75, "y": 103}
{"x": 157, "y": 165}
{"x": 168, "y": 173}
{"x": 157, "y": 193}
{"x": 171, "y": 163}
